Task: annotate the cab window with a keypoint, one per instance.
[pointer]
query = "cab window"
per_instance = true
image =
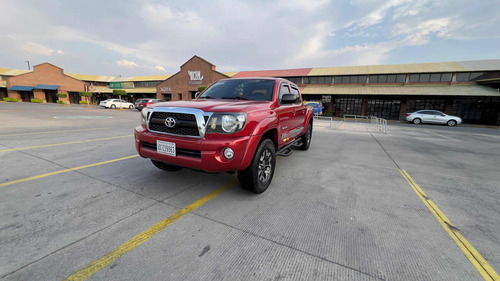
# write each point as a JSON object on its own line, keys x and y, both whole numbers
{"x": 295, "y": 91}
{"x": 284, "y": 89}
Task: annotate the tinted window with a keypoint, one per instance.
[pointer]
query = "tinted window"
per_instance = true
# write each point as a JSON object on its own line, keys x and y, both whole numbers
{"x": 250, "y": 89}
{"x": 400, "y": 78}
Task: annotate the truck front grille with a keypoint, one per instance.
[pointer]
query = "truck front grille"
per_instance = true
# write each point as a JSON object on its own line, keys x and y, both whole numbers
{"x": 185, "y": 124}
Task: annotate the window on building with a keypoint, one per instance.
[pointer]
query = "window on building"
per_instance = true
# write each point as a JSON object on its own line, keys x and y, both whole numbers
{"x": 446, "y": 77}
{"x": 400, "y": 78}
{"x": 347, "y": 105}
{"x": 476, "y": 76}
{"x": 317, "y": 79}
{"x": 384, "y": 108}
{"x": 147, "y": 83}
{"x": 435, "y": 77}
{"x": 414, "y": 78}
{"x": 413, "y": 105}
{"x": 391, "y": 78}
{"x": 180, "y": 96}
{"x": 463, "y": 76}
{"x": 481, "y": 109}
{"x": 424, "y": 78}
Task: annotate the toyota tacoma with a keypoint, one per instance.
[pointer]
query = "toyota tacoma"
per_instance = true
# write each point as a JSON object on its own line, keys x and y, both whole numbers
{"x": 235, "y": 125}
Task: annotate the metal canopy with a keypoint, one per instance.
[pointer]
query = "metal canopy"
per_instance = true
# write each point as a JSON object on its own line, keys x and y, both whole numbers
{"x": 21, "y": 88}
{"x": 46, "y": 87}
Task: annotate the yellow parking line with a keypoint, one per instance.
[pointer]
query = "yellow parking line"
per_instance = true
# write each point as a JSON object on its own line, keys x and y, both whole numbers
{"x": 481, "y": 265}
{"x": 64, "y": 143}
{"x": 142, "y": 237}
{"x": 50, "y": 132}
{"x": 65, "y": 171}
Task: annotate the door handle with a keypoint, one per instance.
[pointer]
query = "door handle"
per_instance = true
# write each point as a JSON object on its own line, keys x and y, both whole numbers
{"x": 294, "y": 112}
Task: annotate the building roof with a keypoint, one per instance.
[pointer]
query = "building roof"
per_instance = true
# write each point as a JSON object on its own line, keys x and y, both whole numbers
{"x": 95, "y": 78}
{"x": 143, "y": 78}
{"x": 459, "y": 66}
{"x": 436, "y": 90}
{"x": 275, "y": 73}
{"x": 12, "y": 72}
{"x": 104, "y": 89}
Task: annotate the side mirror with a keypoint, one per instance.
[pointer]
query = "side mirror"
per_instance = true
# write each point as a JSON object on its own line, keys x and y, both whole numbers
{"x": 197, "y": 94}
{"x": 288, "y": 99}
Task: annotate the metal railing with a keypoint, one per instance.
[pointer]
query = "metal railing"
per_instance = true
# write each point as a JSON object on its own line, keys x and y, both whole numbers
{"x": 379, "y": 123}
{"x": 356, "y": 117}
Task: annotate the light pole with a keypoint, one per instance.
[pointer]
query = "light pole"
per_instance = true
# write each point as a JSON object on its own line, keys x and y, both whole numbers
{"x": 28, "y": 64}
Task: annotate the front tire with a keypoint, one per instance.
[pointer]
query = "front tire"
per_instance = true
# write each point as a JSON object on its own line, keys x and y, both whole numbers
{"x": 258, "y": 176}
{"x": 451, "y": 123}
{"x": 165, "y": 167}
{"x": 417, "y": 121}
{"x": 113, "y": 106}
{"x": 131, "y": 107}
{"x": 306, "y": 138}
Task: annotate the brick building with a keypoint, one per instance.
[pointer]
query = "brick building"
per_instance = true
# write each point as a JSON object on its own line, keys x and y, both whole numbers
{"x": 184, "y": 84}
{"x": 44, "y": 82}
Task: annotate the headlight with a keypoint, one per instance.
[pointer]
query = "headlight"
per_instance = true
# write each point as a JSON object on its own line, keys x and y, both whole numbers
{"x": 226, "y": 123}
{"x": 144, "y": 117}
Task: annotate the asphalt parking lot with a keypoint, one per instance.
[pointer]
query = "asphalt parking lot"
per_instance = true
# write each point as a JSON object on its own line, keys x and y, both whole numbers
{"x": 419, "y": 203}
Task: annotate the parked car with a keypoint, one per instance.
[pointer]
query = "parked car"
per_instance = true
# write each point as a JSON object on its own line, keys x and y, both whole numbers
{"x": 432, "y": 117}
{"x": 318, "y": 109}
{"x": 114, "y": 103}
{"x": 142, "y": 103}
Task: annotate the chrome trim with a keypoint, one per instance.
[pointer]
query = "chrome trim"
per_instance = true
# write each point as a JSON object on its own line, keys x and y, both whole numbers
{"x": 198, "y": 113}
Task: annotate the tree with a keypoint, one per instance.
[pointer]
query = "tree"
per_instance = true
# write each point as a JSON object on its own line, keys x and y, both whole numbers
{"x": 120, "y": 93}
{"x": 87, "y": 95}
{"x": 201, "y": 88}
{"x": 61, "y": 96}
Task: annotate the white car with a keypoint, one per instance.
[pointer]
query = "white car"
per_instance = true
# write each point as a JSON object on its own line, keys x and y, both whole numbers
{"x": 114, "y": 103}
{"x": 432, "y": 116}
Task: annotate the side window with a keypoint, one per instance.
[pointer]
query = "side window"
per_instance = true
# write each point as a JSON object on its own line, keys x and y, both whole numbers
{"x": 295, "y": 91}
{"x": 283, "y": 90}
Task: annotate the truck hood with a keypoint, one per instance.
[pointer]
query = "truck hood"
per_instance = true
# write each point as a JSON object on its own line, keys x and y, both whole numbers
{"x": 218, "y": 105}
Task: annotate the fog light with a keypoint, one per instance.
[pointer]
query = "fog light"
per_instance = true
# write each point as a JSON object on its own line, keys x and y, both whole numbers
{"x": 228, "y": 153}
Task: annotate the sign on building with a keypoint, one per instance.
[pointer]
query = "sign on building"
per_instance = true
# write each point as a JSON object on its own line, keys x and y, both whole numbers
{"x": 195, "y": 77}
{"x": 121, "y": 85}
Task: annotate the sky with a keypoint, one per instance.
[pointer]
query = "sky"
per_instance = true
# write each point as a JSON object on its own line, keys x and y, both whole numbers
{"x": 146, "y": 37}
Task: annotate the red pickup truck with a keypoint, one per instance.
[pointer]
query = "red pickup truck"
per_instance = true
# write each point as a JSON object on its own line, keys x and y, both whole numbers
{"x": 234, "y": 125}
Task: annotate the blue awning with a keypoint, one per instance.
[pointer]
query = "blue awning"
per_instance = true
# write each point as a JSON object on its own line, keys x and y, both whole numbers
{"x": 46, "y": 87}
{"x": 21, "y": 88}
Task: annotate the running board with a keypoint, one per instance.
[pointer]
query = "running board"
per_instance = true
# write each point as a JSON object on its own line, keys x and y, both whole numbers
{"x": 286, "y": 150}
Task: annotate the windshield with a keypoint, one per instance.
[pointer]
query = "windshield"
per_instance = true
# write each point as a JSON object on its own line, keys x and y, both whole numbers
{"x": 241, "y": 89}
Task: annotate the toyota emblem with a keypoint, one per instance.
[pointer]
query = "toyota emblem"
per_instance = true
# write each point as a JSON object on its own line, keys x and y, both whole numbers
{"x": 170, "y": 122}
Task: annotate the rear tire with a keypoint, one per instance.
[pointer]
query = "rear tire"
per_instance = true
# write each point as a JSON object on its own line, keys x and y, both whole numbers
{"x": 258, "y": 176}
{"x": 451, "y": 123}
{"x": 131, "y": 106}
{"x": 113, "y": 106}
{"x": 417, "y": 121}
{"x": 165, "y": 167}
{"x": 306, "y": 138}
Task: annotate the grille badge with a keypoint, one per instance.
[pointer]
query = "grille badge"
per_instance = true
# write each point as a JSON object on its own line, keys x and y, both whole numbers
{"x": 170, "y": 122}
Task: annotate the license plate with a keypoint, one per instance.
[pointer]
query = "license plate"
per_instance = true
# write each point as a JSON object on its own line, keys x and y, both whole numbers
{"x": 165, "y": 147}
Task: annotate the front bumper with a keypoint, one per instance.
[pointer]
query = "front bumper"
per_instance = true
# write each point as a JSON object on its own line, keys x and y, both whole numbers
{"x": 196, "y": 153}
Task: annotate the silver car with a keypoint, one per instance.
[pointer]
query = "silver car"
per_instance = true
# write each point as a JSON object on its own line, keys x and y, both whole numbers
{"x": 433, "y": 117}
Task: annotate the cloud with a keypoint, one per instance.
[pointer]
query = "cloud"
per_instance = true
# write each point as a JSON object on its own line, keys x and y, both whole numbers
{"x": 37, "y": 49}
{"x": 127, "y": 63}
{"x": 59, "y": 52}
{"x": 421, "y": 33}
{"x": 160, "y": 68}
